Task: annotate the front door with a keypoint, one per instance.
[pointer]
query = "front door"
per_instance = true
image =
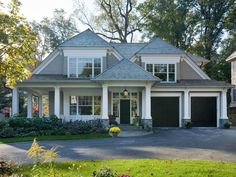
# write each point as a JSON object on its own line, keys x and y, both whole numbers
{"x": 124, "y": 111}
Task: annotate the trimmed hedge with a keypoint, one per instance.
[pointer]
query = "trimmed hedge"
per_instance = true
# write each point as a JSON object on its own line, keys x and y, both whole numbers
{"x": 22, "y": 127}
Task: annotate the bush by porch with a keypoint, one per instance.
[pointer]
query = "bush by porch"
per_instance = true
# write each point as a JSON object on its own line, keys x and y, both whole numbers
{"x": 52, "y": 126}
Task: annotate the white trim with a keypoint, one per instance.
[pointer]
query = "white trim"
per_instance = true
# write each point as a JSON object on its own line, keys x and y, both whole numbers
{"x": 217, "y": 95}
{"x": 166, "y": 94}
{"x": 85, "y": 53}
{"x": 196, "y": 68}
{"x": 167, "y": 71}
{"x": 46, "y": 61}
{"x": 77, "y": 59}
{"x": 127, "y": 98}
{"x": 190, "y": 89}
{"x": 116, "y": 54}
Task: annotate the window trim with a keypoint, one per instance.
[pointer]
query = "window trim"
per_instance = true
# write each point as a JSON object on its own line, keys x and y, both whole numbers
{"x": 77, "y": 105}
{"x": 167, "y": 71}
{"x": 79, "y": 57}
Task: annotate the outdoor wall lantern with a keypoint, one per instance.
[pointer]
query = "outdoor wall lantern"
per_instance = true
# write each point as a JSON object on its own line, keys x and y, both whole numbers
{"x": 125, "y": 92}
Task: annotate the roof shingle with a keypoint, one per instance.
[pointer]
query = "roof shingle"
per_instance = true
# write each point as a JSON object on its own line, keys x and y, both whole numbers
{"x": 86, "y": 38}
{"x": 126, "y": 70}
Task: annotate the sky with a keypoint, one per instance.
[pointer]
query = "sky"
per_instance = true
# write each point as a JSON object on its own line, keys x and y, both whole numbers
{"x": 37, "y": 9}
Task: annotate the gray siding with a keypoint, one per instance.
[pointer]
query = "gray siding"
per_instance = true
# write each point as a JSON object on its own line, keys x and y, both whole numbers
{"x": 187, "y": 72}
{"x": 55, "y": 67}
{"x": 111, "y": 60}
{"x": 65, "y": 66}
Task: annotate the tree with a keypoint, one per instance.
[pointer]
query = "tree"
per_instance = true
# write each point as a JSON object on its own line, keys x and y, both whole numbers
{"x": 170, "y": 20}
{"x": 193, "y": 25}
{"x": 214, "y": 16}
{"x": 17, "y": 45}
{"x": 54, "y": 31}
{"x": 117, "y": 20}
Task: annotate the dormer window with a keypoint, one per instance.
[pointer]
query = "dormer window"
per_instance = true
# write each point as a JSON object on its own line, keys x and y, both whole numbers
{"x": 84, "y": 67}
{"x": 166, "y": 72}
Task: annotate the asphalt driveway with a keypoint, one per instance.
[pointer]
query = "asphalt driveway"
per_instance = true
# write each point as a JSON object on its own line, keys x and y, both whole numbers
{"x": 206, "y": 143}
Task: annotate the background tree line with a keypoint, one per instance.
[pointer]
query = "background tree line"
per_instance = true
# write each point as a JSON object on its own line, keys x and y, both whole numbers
{"x": 203, "y": 27}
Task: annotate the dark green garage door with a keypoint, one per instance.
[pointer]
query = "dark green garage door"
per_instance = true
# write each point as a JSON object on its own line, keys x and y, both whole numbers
{"x": 203, "y": 111}
{"x": 165, "y": 111}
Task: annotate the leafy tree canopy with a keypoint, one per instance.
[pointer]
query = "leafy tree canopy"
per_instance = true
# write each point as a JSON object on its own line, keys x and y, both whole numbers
{"x": 17, "y": 45}
{"x": 54, "y": 31}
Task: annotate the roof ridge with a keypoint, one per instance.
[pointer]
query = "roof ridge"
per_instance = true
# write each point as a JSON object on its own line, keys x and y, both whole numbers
{"x": 77, "y": 35}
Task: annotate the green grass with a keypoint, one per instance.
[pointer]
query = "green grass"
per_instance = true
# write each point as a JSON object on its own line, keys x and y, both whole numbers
{"x": 56, "y": 137}
{"x": 142, "y": 168}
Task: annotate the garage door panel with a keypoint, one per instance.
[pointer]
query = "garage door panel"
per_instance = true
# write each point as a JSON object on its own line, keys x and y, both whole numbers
{"x": 165, "y": 111}
{"x": 203, "y": 111}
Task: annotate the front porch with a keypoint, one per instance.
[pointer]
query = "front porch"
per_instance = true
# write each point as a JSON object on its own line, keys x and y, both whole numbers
{"x": 83, "y": 102}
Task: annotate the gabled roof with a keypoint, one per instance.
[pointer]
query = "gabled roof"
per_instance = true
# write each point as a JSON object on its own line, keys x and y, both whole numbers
{"x": 159, "y": 46}
{"x": 127, "y": 50}
{"x": 126, "y": 70}
{"x": 86, "y": 38}
{"x": 232, "y": 56}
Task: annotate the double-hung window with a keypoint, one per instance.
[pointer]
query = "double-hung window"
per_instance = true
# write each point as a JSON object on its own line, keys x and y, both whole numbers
{"x": 166, "y": 72}
{"x": 84, "y": 68}
{"x": 85, "y": 105}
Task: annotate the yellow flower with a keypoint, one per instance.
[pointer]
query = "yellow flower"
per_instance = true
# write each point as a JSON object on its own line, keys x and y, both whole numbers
{"x": 115, "y": 130}
{"x": 50, "y": 155}
{"x": 35, "y": 150}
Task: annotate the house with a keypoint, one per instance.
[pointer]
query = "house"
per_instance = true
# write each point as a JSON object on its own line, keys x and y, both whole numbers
{"x": 88, "y": 78}
{"x": 232, "y": 59}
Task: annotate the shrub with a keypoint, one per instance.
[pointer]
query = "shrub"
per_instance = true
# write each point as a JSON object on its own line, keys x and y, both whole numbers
{"x": 227, "y": 124}
{"x": 21, "y": 127}
{"x": 6, "y": 168}
{"x": 7, "y": 132}
{"x": 104, "y": 172}
{"x": 188, "y": 124}
{"x": 3, "y": 123}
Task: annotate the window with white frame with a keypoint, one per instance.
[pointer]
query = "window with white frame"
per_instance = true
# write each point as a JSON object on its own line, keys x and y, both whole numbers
{"x": 85, "y": 105}
{"x": 84, "y": 68}
{"x": 166, "y": 72}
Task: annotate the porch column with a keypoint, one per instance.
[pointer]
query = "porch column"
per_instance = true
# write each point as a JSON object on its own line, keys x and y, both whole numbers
{"x": 15, "y": 101}
{"x": 104, "y": 102}
{"x": 57, "y": 101}
{"x": 186, "y": 104}
{"x": 224, "y": 104}
{"x": 148, "y": 102}
{"x": 40, "y": 104}
{"x": 143, "y": 104}
{"x": 29, "y": 105}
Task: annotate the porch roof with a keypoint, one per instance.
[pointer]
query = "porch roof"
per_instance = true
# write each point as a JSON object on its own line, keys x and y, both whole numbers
{"x": 49, "y": 78}
{"x": 195, "y": 83}
{"x": 126, "y": 70}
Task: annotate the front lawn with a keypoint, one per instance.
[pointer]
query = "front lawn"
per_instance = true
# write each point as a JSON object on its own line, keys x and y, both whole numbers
{"x": 142, "y": 168}
{"x": 55, "y": 137}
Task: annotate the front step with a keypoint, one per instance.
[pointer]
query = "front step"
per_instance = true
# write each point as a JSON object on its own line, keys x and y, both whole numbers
{"x": 129, "y": 128}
